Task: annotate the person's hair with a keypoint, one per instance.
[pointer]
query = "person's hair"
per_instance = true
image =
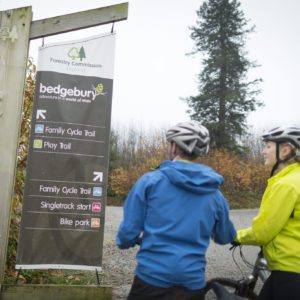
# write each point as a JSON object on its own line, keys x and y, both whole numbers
{"x": 185, "y": 155}
{"x": 294, "y": 157}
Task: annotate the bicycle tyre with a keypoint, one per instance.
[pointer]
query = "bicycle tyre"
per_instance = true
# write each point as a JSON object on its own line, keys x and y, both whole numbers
{"x": 234, "y": 287}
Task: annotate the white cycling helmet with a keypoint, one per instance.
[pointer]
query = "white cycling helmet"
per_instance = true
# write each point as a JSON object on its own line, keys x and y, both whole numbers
{"x": 283, "y": 134}
{"x": 191, "y": 137}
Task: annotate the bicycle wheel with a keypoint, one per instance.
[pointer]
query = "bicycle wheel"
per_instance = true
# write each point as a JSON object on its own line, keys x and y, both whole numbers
{"x": 234, "y": 287}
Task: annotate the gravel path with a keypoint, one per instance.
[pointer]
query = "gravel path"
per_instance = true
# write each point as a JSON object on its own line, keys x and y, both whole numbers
{"x": 119, "y": 265}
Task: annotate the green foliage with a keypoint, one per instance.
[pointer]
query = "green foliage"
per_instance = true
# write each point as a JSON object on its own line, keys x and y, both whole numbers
{"x": 137, "y": 152}
{"x": 54, "y": 277}
{"x": 245, "y": 177}
{"x": 225, "y": 96}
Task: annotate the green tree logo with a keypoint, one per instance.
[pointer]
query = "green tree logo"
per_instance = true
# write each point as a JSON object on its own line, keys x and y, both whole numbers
{"x": 81, "y": 53}
{"x": 75, "y": 53}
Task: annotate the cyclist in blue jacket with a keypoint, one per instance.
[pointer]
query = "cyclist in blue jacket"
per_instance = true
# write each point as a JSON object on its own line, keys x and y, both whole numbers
{"x": 176, "y": 208}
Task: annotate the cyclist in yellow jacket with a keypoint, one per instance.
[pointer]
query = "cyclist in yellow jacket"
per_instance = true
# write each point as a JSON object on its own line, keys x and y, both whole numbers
{"x": 277, "y": 226}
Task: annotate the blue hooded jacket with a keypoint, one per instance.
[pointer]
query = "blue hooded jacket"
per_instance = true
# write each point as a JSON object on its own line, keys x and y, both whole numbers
{"x": 178, "y": 208}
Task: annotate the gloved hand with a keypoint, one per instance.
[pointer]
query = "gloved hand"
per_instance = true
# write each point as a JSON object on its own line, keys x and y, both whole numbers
{"x": 139, "y": 241}
{"x": 234, "y": 244}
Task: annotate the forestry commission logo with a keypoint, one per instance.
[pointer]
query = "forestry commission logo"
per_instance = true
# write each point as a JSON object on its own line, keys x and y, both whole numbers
{"x": 77, "y": 58}
{"x": 74, "y": 53}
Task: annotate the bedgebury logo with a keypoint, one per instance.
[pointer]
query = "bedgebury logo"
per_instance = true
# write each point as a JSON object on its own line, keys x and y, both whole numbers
{"x": 74, "y": 53}
{"x": 99, "y": 89}
{"x": 71, "y": 94}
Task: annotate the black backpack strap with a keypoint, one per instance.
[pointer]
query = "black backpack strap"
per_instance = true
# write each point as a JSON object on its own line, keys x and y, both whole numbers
{"x": 292, "y": 214}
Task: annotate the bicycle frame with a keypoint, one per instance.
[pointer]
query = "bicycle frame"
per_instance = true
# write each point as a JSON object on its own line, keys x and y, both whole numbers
{"x": 245, "y": 286}
{"x": 260, "y": 269}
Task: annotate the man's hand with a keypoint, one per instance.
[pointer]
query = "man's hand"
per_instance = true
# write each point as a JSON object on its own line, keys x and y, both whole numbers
{"x": 139, "y": 240}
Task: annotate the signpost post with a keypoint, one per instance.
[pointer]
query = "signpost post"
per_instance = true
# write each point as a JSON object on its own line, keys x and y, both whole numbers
{"x": 13, "y": 62}
{"x": 16, "y": 30}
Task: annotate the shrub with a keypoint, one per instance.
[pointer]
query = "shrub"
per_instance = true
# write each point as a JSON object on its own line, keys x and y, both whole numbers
{"x": 245, "y": 177}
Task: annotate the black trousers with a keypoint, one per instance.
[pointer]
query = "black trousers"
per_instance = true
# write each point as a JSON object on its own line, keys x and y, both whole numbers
{"x": 141, "y": 290}
{"x": 281, "y": 285}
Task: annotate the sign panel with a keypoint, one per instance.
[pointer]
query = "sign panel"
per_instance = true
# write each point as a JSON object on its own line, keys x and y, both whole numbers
{"x": 63, "y": 213}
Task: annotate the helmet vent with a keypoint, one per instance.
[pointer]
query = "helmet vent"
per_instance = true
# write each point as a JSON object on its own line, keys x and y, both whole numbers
{"x": 277, "y": 133}
{"x": 295, "y": 133}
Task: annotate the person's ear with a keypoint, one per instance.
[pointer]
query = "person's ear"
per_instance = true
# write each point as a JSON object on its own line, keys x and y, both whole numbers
{"x": 174, "y": 149}
{"x": 285, "y": 151}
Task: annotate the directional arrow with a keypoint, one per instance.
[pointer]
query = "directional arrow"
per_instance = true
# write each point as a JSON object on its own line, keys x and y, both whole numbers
{"x": 40, "y": 113}
{"x": 98, "y": 176}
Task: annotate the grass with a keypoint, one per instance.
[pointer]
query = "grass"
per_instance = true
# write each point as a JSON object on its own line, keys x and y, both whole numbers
{"x": 62, "y": 277}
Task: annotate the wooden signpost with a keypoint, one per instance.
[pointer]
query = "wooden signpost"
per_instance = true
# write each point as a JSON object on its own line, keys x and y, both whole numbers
{"x": 16, "y": 31}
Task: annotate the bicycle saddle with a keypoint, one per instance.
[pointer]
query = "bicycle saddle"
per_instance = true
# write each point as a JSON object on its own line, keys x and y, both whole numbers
{"x": 222, "y": 293}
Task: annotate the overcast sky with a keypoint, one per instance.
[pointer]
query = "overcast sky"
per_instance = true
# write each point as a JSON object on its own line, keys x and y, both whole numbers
{"x": 152, "y": 71}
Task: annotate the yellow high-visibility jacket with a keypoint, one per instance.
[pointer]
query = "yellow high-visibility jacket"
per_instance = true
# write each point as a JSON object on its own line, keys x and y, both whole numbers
{"x": 277, "y": 225}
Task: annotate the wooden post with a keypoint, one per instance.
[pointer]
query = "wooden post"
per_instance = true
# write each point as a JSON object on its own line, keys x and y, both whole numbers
{"x": 80, "y": 20}
{"x": 13, "y": 61}
{"x": 16, "y": 29}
